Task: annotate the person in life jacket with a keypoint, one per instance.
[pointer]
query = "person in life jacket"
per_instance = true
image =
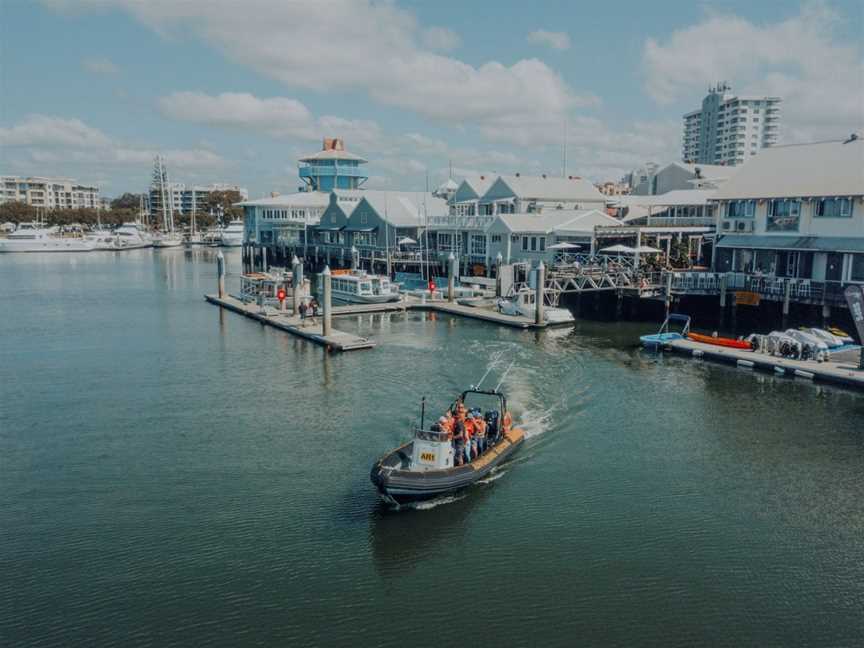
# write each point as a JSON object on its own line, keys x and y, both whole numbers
{"x": 508, "y": 421}
{"x": 470, "y": 441}
{"x": 458, "y": 442}
{"x": 445, "y": 427}
{"x": 480, "y": 434}
{"x": 460, "y": 410}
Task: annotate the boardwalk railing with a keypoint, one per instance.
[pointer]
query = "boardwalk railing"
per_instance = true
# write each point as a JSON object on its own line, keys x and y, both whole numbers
{"x": 772, "y": 288}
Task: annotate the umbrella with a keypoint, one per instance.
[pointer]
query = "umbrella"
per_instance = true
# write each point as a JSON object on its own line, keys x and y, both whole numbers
{"x": 645, "y": 249}
{"x": 564, "y": 246}
{"x": 405, "y": 241}
{"x": 619, "y": 249}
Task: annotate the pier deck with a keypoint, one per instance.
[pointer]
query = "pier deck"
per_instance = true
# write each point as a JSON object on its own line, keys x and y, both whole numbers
{"x": 336, "y": 341}
{"x": 485, "y": 314}
{"x": 841, "y": 371}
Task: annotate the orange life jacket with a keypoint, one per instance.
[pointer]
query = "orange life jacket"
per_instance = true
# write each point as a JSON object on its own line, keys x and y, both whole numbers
{"x": 508, "y": 421}
{"x": 469, "y": 428}
{"x": 479, "y": 427}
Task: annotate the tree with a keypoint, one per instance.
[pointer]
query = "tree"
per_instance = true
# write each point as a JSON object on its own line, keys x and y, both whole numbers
{"x": 17, "y": 212}
{"x": 225, "y": 200}
{"x": 126, "y": 201}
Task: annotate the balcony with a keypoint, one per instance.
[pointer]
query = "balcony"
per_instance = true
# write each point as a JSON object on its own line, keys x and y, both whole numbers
{"x": 320, "y": 170}
{"x": 460, "y": 222}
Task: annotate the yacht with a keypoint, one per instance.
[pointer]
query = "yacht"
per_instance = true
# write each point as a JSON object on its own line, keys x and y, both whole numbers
{"x": 129, "y": 237}
{"x": 357, "y": 287}
{"x": 34, "y": 237}
{"x": 232, "y": 235}
{"x": 102, "y": 239}
{"x": 169, "y": 240}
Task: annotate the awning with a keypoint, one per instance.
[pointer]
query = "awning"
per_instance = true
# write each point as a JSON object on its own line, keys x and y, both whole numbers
{"x": 359, "y": 229}
{"x": 800, "y": 243}
{"x": 327, "y": 228}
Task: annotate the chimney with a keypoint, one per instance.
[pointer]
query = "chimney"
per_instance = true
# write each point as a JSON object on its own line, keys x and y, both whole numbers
{"x": 274, "y": 194}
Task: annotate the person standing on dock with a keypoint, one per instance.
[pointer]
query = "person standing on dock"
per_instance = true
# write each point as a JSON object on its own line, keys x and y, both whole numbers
{"x": 302, "y": 313}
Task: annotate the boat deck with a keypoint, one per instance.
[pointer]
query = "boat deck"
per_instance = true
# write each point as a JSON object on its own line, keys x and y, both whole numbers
{"x": 842, "y": 369}
{"x": 336, "y": 341}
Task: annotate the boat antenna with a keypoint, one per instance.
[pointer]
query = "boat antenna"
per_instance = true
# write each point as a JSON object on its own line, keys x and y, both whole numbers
{"x": 492, "y": 365}
{"x": 504, "y": 375}
{"x": 423, "y": 413}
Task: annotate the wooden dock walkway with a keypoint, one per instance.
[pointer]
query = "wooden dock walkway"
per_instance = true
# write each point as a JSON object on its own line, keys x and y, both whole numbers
{"x": 484, "y": 314}
{"x": 843, "y": 370}
{"x": 336, "y": 341}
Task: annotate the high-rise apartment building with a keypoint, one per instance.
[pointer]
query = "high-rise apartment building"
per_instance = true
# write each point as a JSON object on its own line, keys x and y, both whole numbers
{"x": 729, "y": 128}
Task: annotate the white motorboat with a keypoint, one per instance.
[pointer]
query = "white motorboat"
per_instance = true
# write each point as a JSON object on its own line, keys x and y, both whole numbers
{"x": 523, "y": 303}
{"x": 34, "y": 237}
{"x": 102, "y": 239}
{"x": 232, "y": 235}
{"x": 358, "y": 287}
{"x": 129, "y": 237}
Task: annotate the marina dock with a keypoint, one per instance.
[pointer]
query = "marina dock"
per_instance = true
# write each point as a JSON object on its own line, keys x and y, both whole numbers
{"x": 841, "y": 370}
{"x": 336, "y": 341}
{"x": 480, "y": 313}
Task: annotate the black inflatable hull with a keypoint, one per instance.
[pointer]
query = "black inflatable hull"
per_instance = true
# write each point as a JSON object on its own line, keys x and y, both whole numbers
{"x": 398, "y": 486}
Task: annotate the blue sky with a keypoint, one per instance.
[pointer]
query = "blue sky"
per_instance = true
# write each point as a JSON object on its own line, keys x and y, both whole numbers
{"x": 235, "y": 91}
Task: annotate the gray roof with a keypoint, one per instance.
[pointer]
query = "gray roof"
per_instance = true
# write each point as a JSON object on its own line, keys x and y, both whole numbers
{"x": 708, "y": 171}
{"x": 668, "y": 199}
{"x": 804, "y": 243}
{"x": 479, "y": 184}
{"x": 556, "y": 220}
{"x": 553, "y": 188}
{"x": 404, "y": 208}
{"x": 330, "y": 154}
{"x": 298, "y": 199}
{"x": 823, "y": 169}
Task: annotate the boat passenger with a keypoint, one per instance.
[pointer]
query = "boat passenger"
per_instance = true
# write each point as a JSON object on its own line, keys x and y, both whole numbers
{"x": 480, "y": 434}
{"x": 470, "y": 441}
{"x": 445, "y": 427}
{"x": 508, "y": 421}
{"x": 459, "y": 442}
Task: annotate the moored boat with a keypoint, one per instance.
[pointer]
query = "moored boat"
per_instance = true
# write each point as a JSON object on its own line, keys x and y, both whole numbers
{"x": 730, "y": 343}
{"x": 34, "y": 237}
{"x": 232, "y": 234}
{"x": 427, "y": 467}
{"x": 666, "y": 334}
{"x": 359, "y": 287}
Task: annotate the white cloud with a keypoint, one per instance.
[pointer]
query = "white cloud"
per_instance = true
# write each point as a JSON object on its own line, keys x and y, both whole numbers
{"x": 39, "y": 130}
{"x": 100, "y": 66}
{"x": 555, "y": 40}
{"x": 801, "y": 59}
{"x": 361, "y": 45}
{"x": 441, "y": 39}
{"x": 70, "y": 144}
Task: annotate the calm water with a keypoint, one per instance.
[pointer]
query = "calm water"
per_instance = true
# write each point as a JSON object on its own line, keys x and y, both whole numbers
{"x": 173, "y": 475}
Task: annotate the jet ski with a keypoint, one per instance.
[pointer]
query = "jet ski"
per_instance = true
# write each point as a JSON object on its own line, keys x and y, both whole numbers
{"x": 425, "y": 467}
{"x": 827, "y": 337}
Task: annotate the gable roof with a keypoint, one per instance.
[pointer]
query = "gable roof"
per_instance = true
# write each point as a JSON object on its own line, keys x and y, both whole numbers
{"x": 672, "y": 198}
{"x": 473, "y": 187}
{"x": 404, "y": 208}
{"x": 298, "y": 199}
{"x": 552, "y": 188}
{"x": 833, "y": 168}
{"x": 556, "y": 220}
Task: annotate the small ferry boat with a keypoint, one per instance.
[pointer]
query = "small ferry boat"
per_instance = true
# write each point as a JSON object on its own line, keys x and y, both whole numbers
{"x": 424, "y": 467}
{"x": 34, "y": 237}
{"x": 358, "y": 287}
{"x": 523, "y": 302}
{"x": 232, "y": 235}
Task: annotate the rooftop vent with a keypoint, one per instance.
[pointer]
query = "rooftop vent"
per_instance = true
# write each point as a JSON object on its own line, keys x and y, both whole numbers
{"x": 517, "y": 174}
{"x": 544, "y": 175}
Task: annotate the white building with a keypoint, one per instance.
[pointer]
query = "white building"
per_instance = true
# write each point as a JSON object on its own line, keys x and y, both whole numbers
{"x": 795, "y": 211}
{"x": 283, "y": 219}
{"x": 729, "y": 128}
{"x": 50, "y": 193}
{"x": 527, "y": 237}
{"x": 184, "y": 198}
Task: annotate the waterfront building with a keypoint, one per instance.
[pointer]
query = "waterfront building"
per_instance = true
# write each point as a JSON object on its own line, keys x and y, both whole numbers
{"x": 527, "y": 236}
{"x": 332, "y": 168}
{"x": 728, "y": 129}
{"x": 282, "y": 219}
{"x": 796, "y": 211}
{"x": 49, "y": 192}
{"x": 375, "y": 222}
{"x": 518, "y": 194}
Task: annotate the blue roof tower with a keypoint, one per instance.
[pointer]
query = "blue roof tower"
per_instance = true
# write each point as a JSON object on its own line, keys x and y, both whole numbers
{"x": 332, "y": 168}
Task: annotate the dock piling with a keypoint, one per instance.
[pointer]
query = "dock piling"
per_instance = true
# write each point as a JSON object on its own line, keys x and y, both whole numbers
{"x": 297, "y": 285}
{"x": 220, "y": 271}
{"x": 538, "y": 307}
{"x": 326, "y": 281}
{"x": 451, "y": 278}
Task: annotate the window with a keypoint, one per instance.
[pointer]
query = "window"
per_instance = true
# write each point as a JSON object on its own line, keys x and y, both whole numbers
{"x": 783, "y": 215}
{"x": 857, "y": 268}
{"x": 478, "y": 244}
{"x": 524, "y": 243}
{"x": 533, "y": 243}
{"x": 496, "y": 238}
{"x": 542, "y": 243}
{"x": 833, "y": 208}
{"x": 364, "y": 219}
{"x": 741, "y": 209}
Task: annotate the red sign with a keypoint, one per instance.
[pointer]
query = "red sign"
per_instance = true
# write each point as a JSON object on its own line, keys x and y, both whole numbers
{"x": 280, "y": 295}
{"x": 431, "y": 286}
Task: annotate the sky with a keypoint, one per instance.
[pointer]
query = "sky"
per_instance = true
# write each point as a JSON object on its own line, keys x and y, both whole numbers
{"x": 235, "y": 92}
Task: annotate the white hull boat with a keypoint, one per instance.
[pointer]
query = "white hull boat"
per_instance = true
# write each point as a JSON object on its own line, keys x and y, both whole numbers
{"x": 523, "y": 304}
{"x": 232, "y": 236}
{"x": 31, "y": 237}
{"x": 358, "y": 287}
{"x": 169, "y": 241}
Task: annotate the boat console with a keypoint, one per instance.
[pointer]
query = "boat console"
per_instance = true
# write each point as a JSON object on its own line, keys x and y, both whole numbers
{"x": 431, "y": 451}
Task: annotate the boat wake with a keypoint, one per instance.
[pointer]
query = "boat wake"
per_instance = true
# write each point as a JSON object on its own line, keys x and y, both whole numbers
{"x": 434, "y": 503}
{"x": 495, "y": 475}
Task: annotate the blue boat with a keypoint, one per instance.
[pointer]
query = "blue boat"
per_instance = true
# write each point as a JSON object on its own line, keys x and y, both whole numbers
{"x": 665, "y": 334}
